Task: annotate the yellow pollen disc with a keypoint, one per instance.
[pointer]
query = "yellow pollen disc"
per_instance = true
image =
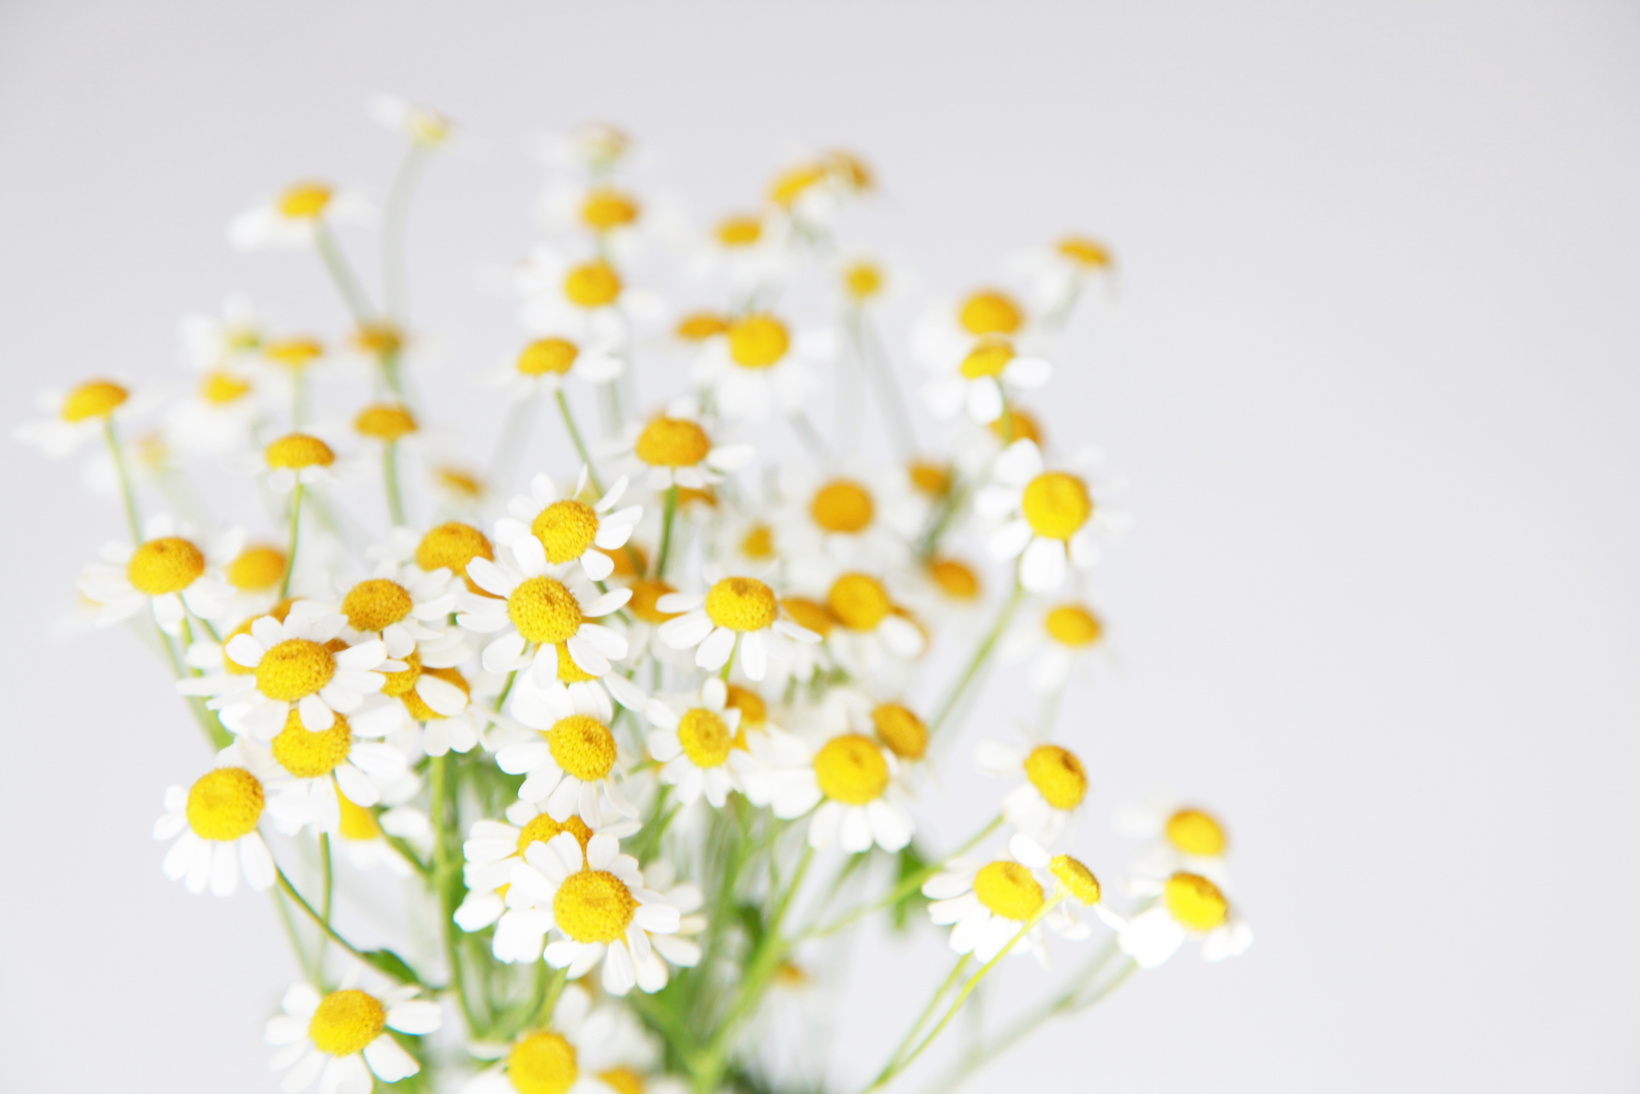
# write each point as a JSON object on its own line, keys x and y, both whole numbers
{"x": 809, "y": 614}
{"x": 593, "y": 906}
{"x": 542, "y": 1063}
{"x": 672, "y": 442}
{"x": 384, "y": 421}
{"x": 955, "y": 579}
{"x": 164, "y": 565}
{"x": 298, "y": 450}
{"x": 542, "y": 828}
{"x": 604, "y": 209}
{"x": 1085, "y": 252}
{"x": 851, "y": 769}
{"x": 1072, "y": 625}
{"x": 1008, "y": 890}
{"x": 849, "y": 169}
{"x": 565, "y": 529}
{"x": 741, "y": 604}
{"x": 395, "y": 684}
{"x": 358, "y": 823}
{"x": 346, "y": 1022}
{"x": 704, "y": 737}
{"x": 758, "y": 542}
{"x": 858, "y": 601}
{"x": 1016, "y": 425}
{"x": 699, "y": 326}
{"x": 293, "y": 669}
{"x": 568, "y": 671}
{"x": 256, "y": 568}
{"x": 419, "y": 710}
{"x": 901, "y": 730}
{"x": 841, "y": 506}
{"x": 790, "y": 184}
{"x": 582, "y": 746}
{"x": 544, "y": 611}
{"x": 645, "y": 591}
{"x": 224, "y": 804}
{"x": 1077, "y": 879}
{"x": 863, "y": 280}
{"x": 739, "y": 231}
{"x": 989, "y": 312}
{"x": 592, "y": 285}
{"x": 1056, "y": 505}
{"x": 457, "y": 481}
{"x": 1057, "y": 775}
{"x": 754, "y": 712}
{"x": 379, "y": 339}
{"x": 1195, "y": 833}
{"x": 547, "y": 355}
{"x": 221, "y": 388}
{"x": 988, "y": 358}
{"x": 1196, "y": 903}
{"x": 309, "y": 755}
{"x": 623, "y": 1080}
{"x": 304, "y": 201}
{"x": 293, "y": 353}
{"x": 758, "y": 341}
{"x": 375, "y": 604}
{"x": 96, "y": 399}
{"x": 451, "y": 546}
{"x": 929, "y": 478}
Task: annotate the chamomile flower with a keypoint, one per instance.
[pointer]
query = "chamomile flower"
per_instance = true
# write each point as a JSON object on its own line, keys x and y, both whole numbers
{"x": 734, "y": 613}
{"x": 231, "y": 339}
{"x": 77, "y": 416}
{"x": 580, "y": 299}
{"x": 597, "y": 904}
{"x": 872, "y": 635}
{"x": 299, "y": 664}
{"x": 561, "y": 1059}
{"x": 674, "y": 450}
{"x": 851, "y": 778}
{"x": 569, "y": 529}
{"x": 214, "y": 824}
{"x": 694, "y": 741}
{"x": 569, "y": 762}
{"x": 606, "y": 210}
{"x": 291, "y": 218}
{"x": 1055, "y": 785}
{"x": 988, "y": 375}
{"x": 812, "y": 188}
{"x": 449, "y": 546}
{"x": 744, "y": 251}
{"x": 329, "y": 763}
{"x": 895, "y": 725}
{"x": 217, "y": 417}
{"x": 420, "y": 125}
{"x": 987, "y": 905}
{"x": 297, "y": 458}
{"x": 1056, "y": 274}
{"x": 1050, "y": 516}
{"x": 493, "y": 848}
{"x": 543, "y": 365}
{"x": 1057, "y": 638}
{"x": 950, "y": 329}
{"x": 167, "y": 573}
{"x": 1187, "y": 906}
{"x": 758, "y": 365}
{"x": 341, "y": 1038}
{"x": 406, "y": 608}
{"x": 1179, "y": 835}
{"x": 407, "y": 701}
{"x": 852, "y": 517}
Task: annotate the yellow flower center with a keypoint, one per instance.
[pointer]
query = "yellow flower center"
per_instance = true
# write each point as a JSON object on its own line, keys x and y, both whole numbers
{"x": 304, "y": 201}
{"x": 1195, "y": 833}
{"x": 1196, "y": 903}
{"x": 858, "y": 601}
{"x": 384, "y": 421}
{"x": 672, "y": 442}
{"x": 989, "y": 312}
{"x": 419, "y": 710}
{"x": 395, "y": 684}
{"x": 739, "y": 231}
{"x": 901, "y": 730}
{"x": 757, "y": 341}
{"x": 542, "y": 1063}
{"x": 547, "y": 355}
{"x": 542, "y": 828}
{"x": 293, "y": 669}
{"x": 1016, "y": 425}
{"x": 1085, "y": 252}
{"x": 841, "y": 506}
{"x": 582, "y": 746}
{"x": 375, "y": 604}
{"x": 623, "y": 1080}
{"x": 451, "y": 546}
{"x": 604, "y": 209}
{"x": 1008, "y": 890}
{"x": 704, "y": 737}
{"x": 255, "y": 568}
{"x": 862, "y": 280}
{"x": 309, "y": 755}
{"x": 1056, "y": 505}
{"x": 1057, "y": 775}
{"x": 741, "y": 604}
{"x": 790, "y": 184}
{"x": 96, "y": 399}
{"x": 164, "y": 565}
{"x": 645, "y": 592}
{"x": 758, "y": 542}
{"x": 346, "y": 1022}
{"x": 565, "y": 529}
{"x": 955, "y": 579}
{"x": 457, "y": 481}
{"x": 699, "y": 326}
{"x": 593, "y": 906}
{"x": 1077, "y": 879}
{"x": 1072, "y": 625}
{"x": 754, "y": 712}
{"x": 543, "y": 610}
{"x": 221, "y": 388}
{"x": 851, "y": 769}
{"x": 293, "y": 353}
{"x": 592, "y": 285}
{"x": 298, "y": 450}
{"x": 224, "y": 804}
{"x": 358, "y": 823}
{"x": 809, "y": 614}
{"x": 988, "y": 358}
{"x": 929, "y": 478}
{"x": 378, "y": 339}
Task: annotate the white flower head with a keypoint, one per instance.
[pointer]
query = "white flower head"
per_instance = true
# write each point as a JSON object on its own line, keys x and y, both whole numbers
{"x": 493, "y": 848}
{"x": 298, "y": 458}
{"x": 734, "y": 613}
{"x": 1050, "y": 518}
{"x": 1054, "y": 789}
{"x": 569, "y": 761}
{"x": 214, "y": 823}
{"x": 1186, "y": 906}
{"x": 290, "y": 219}
{"x": 578, "y": 1052}
{"x": 674, "y": 449}
{"x": 421, "y": 125}
{"x": 1179, "y": 836}
{"x": 571, "y": 530}
{"x": 548, "y": 360}
{"x": 1059, "y": 638}
{"x": 75, "y": 417}
{"x": 758, "y": 365}
{"x": 988, "y": 904}
{"x": 341, "y": 1038}
{"x": 851, "y": 778}
{"x": 167, "y": 572}
{"x": 698, "y": 742}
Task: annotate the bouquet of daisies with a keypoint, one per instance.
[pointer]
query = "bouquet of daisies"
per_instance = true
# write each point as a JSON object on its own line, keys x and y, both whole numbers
{"x": 636, "y": 738}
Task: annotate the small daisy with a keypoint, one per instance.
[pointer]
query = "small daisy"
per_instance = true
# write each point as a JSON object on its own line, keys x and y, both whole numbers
{"x": 421, "y": 125}
{"x": 493, "y": 848}
{"x": 217, "y": 417}
{"x": 585, "y": 300}
{"x": 896, "y": 726}
{"x": 564, "y": 1058}
{"x": 758, "y": 365}
{"x": 1189, "y": 906}
{"x": 299, "y": 665}
{"x": 944, "y": 335}
{"x": 1180, "y": 836}
{"x": 986, "y": 905}
{"x": 1051, "y": 517}
{"x": 298, "y": 458}
{"x": 214, "y": 824}
{"x": 734, "y": 613}
{"x": 609, "y": 212}
{"x": 597, "y": 903}
{"x": 76, "y": 417}
{"x": 341, "y": 1038}
{"x": 814, "y": 187}
{"x": 1055, "y": 275}
{"x": 673, "y": 450}
{"x": 291, "y": 219}
{"x": 694, "y": 741}
{"x": 852, "y": 779}
{"x": 744, "y": 249}
{"x": 406, "y": 607}
{"x": 1055, "y": 786}
{"x": 165, "y": 572}
{"x": 989, "y": 374}
{"x": 449, "y": 546}
{"x": 569, "y": 762}
{"x": 454, "y": 724}
{"x": 542, "y": 366}
{"x": 328, "y": 764}
{"x": 593, "y": 146}
{"x": 1057, "y": 639}
{"x": 568, "y": 529}
{"x": 853, "y": 517}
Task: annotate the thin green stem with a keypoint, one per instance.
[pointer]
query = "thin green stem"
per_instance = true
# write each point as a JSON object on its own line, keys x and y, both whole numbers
{"x": 318, "y": 920}
{"x": 576, "y": 439}
{"x": 868, "y": 347}
{"x": 327, "y": 890}
{"x": 668, "y": 515}
{"x": 928, "y": 1011}
{"x": 447, "y": 880}
{"x": 281, "y": 904}
{"x": 295, "y": 527}
{"x": 132, "y": 520}
{"x": 983, "y": 651}
{"x": 390, "y": 481}
{"x": 395, "y": 222}
{"x": 347, "y": 284}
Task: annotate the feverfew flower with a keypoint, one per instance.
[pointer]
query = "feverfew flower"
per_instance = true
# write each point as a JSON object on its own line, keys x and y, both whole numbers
{"x": 1056, "y": 639}
{"x": 1179, "y": 835}
{"x": 988, "y": 904}
{"x": 297, "y": 458}
{"x": 341, "y": 1038}
{"x": 694, "y": 741}
{"x": 569, "y": 762}
{"x": 299, "y": 664}
{"x": 673, "y": 450}
{"x": 493, "y": 848}
{"x": 757, "y": 365}
{"x": 542, "y": 366}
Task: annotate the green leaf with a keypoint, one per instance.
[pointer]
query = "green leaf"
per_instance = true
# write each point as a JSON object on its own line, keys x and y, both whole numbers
{"x": 911, "y": 862}
{"x": 390, "y": 963}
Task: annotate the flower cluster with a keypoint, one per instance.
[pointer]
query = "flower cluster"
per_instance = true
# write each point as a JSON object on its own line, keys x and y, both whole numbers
{"x": 647, "y": 726}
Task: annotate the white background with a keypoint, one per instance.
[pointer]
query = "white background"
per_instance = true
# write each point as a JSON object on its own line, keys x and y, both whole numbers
{"x": 1375, "y": 381}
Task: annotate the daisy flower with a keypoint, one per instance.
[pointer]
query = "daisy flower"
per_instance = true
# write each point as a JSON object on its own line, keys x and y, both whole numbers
{"x": 611, "y": 213}
{"x": 214, "y": 824}
{"x": 217, "y": 417}
{"x": 1051, "y": 517}
{"x": 493, "y": 848}
{"x": 673, "y": 450}
{"x": 745, "y": 249}
{"x": 76, "y": 416}
{"x": 568, "y": 529}
{"x": 341, "y": 1038}
{"x": 1056, "y": 639}
{"x": 166, "y": 573}
{"x": 584, "y": 300}
{"x": 569, "y": 762}
{"x": 989, "y": 375}
{"x": 946, "y": 333}
{"x": 543, "y": 365}
{"x": 406, "y": 607}
{"x": 1054, "y": 787}
{"x": 448, "y": 546}
{"x": 453, "y": 725}
{"x": 873, "y": 635}
{"x": 328, "y": 764}
{"x": 299, "y": 664}
{"x": 694, "y": 741}
{"x": 291, "y": 219}
{"x": 1180, "y": 836}
{"x": 297, "y": 458}
{"x": 851, "y": 778}
{"x": 421, "y": 125}
{"x": 853, "y": 518}
{"x": 757, "y": 364}
{"x": 986, "y": 905}
{"x": 895, "y": 726}
{"x": 542, "y": 613}
{"x": 573, "y": 1056}
{"x": 1188, "y": 906}
{"x": 597, "y": 903}
{"x": 1056, "y": 274}
{"x": 734, "y": 613}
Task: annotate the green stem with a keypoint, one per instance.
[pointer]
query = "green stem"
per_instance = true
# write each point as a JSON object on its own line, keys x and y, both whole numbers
{"x": 395, "y": 220}
{"x": 895, "y": 413}
{"x": 928, "y": 1011}
{"x": 295, "y": 526}
{"x": 390, "y": 479}
{"x": 576, "y": 438}
{"x": 667, "y": 517}
{"x": 290, "y": 890}
{"x": 282, "y": 905}
{"x": 983, "y": 651}
{"x": 327, "y": 891}
{"x": 447, "y": 881}
{"x": 353, "y": 296}
{"x": 808, "y": 435}
{"x": 132, "y": 520}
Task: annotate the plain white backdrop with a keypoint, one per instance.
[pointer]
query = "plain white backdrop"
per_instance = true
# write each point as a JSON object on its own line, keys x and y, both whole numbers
{"x": 1375, "y": 379}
